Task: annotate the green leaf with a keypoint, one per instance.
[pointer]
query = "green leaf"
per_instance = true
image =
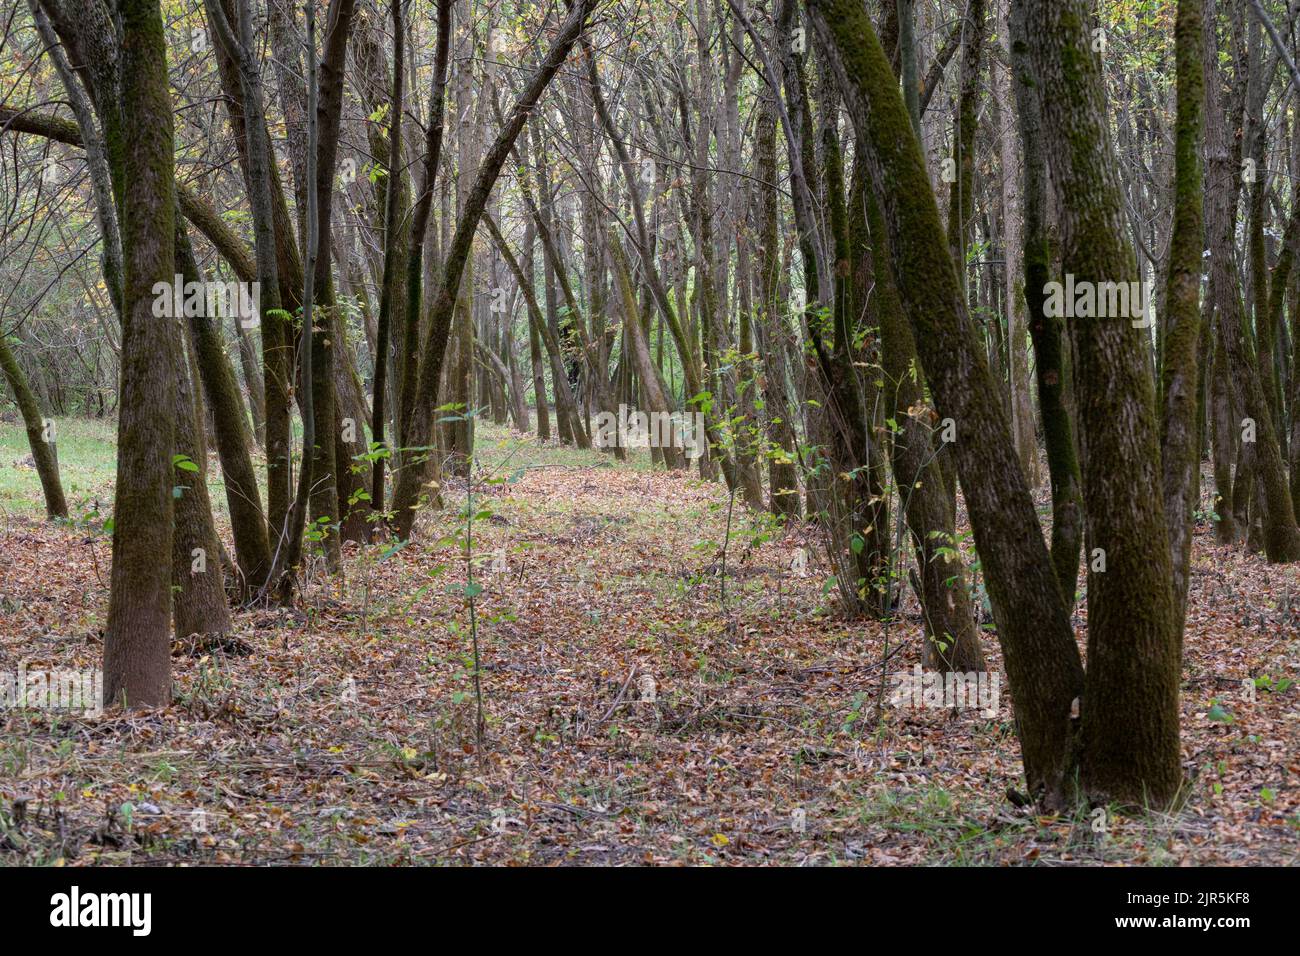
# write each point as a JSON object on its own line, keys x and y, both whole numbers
{"x": 1220, "y": 715}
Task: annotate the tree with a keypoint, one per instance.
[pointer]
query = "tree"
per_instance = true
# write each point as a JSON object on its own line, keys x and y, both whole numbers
{"x": 137, "y": 647}
{"x": 1044, "y": 329}
{"x": 1180, "y": 439}
{"x": 40, "y": 434}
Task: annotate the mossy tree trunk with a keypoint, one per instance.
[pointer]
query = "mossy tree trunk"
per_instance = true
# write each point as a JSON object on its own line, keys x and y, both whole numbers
{"x": 137, "y": 647}
{"x": 40, "y": 433}
{"x": 1180, "y": 439}
{"x": 1045, "y": 330}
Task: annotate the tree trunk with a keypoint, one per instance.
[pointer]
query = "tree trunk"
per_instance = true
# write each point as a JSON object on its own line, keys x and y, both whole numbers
{"x": 1045, "y": 330}
{"x": 1180, "y": 440}
{"x": 1016, "y": 303}
{"x": 137, "y": 647}
{"x": 243, "y": 499}
{"x": 410, "y": 484}
{"x": 198, "y": 592}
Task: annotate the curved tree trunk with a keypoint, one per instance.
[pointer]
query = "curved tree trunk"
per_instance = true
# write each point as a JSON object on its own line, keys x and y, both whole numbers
{"x": 40, "y": 433}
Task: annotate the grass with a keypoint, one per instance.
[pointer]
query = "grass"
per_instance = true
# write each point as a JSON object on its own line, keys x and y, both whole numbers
{"x": 87, "y": 449}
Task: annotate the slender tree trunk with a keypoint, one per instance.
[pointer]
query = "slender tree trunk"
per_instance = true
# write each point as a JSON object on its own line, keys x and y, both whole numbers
{"x": 769, "y": 321}
{"x": 1016, "y": 302}
{"x": 327, "y": 504}
{"x": 410, "y": 484}
{"x": 198, "y": 591}
{"x": 1045, "y": 330}
{"x": 413, "y": 315}
{"x": 41, "y": 435}
{"x": 1238, "y": 368}
{"x": 951, "y": 640}
{"x": 391, "y": 233}
{"x": 1179, "y": 436}
{"x": 243, "y": 499}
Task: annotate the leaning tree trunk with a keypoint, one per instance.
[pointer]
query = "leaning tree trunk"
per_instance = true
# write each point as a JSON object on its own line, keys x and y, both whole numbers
{"x": 1038, "y": 648}
{"x": 40, "y": 433}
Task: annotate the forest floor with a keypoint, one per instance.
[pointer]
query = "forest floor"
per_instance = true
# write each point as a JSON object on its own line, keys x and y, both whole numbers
{"x": 632, "y": 713}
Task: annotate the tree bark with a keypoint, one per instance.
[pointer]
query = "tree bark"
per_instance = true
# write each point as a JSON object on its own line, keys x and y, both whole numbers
{"x": 1180, "y": 439}
{"x": 1045, "y": 330}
